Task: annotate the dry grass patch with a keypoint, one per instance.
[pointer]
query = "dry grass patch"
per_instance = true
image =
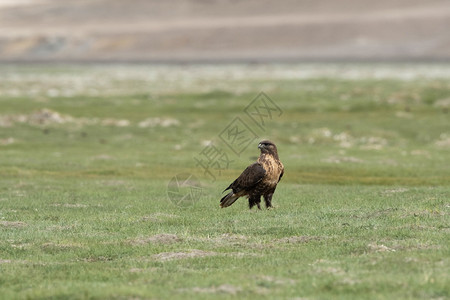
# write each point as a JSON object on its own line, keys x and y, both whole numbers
{"x": 275, "y": 280}
{"x": 163, "y": 238}
{"x": 70, "y": 205}
{"x": 7, "y": 141}
{"x": 324, "y": 266}
{"x": 298, "y": 239}
{"x": 13, "y": 224}
{"x": 167, "y": 256}
{"x": 221, "y": 289}
{"x": 380, "y": 248}
{"x": 395, "y": 191}
{"x": 5, "y": 261}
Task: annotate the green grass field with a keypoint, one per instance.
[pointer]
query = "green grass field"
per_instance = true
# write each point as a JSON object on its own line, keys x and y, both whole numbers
{"x": 87, "y": 154}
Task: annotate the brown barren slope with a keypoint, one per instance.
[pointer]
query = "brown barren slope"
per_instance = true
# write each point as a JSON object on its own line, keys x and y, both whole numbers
{"x": 223, "y": 30}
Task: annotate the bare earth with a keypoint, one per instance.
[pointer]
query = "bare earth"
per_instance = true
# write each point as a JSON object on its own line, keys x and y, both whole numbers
{"x": 223, "y": 30}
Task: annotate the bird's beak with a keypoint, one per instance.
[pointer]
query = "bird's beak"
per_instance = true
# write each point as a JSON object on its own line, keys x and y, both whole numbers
{"x": 260, "y": 146}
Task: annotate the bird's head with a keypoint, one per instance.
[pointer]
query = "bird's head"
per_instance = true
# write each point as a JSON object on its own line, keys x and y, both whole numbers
{"x": 267, "y": 146}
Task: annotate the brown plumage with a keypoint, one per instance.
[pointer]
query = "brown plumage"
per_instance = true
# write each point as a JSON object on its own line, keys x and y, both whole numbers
{"x": 259, "y": 179}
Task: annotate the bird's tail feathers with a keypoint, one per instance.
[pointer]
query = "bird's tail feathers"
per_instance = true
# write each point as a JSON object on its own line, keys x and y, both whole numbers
{"x": 228, "y": 199}
{"x": 229, "y": 187}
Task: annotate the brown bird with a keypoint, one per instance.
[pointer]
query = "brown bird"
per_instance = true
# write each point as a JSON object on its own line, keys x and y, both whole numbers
{"x": 259, "y": 179}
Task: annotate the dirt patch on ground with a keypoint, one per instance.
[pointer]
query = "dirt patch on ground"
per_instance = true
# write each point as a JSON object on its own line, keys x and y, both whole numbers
{"x": 40, "y": 117}
{"x": 163, "y": 238}
{"x": 167, "y": 256}
{"x": 221, "y": 289}
{"x": 46, "y": 117}
{"x": 105, "y": 157}
{"x": 13, "y": 224}
{"x": 403, "y": 245}
{"x": 395, "y": 191}
{"x": 298, "y": 239}
{"x": 93, "y": 259}
{"x": 380, "y": 248}
{"x": 324, "y": 266}
{"x": 275, "y": 280}
{"x": 159, "y": 122}
{"x": 70, "y": 205}
{"x": 61, "y": 228}
{"x": 7, "y": 141}
{"x": 5, "y": 261}
{"x": 117, "y": 123}
{"x": 444, "y": 141}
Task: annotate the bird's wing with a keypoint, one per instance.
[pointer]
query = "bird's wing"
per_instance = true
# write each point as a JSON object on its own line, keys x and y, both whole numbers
{"x": 249, "y": 178}
{"x": 281, "y": 175}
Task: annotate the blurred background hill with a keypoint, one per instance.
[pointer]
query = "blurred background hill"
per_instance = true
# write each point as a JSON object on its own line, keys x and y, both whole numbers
{"x": 224, "y": 30}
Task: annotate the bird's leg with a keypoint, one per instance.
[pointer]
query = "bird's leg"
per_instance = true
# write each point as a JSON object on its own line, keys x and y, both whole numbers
{"x": 254, "y": 200}
{"x": 268, "y": 200}
{"x": 251, "y": 203}
{"x": 258, "y": 202}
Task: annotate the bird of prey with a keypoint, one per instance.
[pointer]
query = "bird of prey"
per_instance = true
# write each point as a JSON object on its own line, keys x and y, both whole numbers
{"x": 259, "y": 179}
